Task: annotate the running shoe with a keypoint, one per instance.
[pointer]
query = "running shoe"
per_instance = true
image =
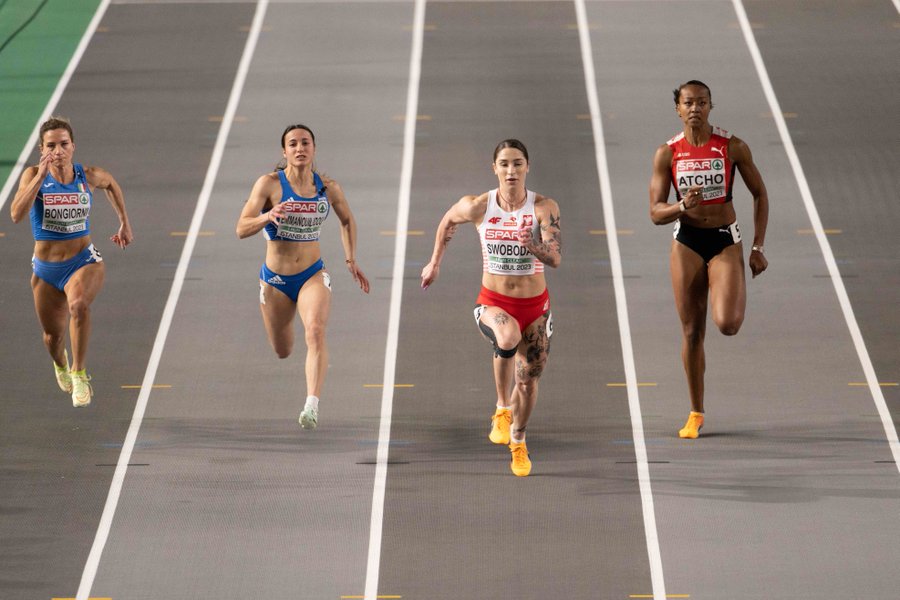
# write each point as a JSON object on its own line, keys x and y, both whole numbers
{"x": 81, "y": 389}
{"x": 521, "y": 464}
{"x": 500, "y": 423}
{"x": 309, "y": 418}
{"x": 691, "y": 429}
{"x": 63, "y": 378}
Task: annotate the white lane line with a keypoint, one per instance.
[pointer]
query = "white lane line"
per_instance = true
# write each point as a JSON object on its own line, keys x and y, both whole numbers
{"x": 16, "y": 172}
{"x": 897, "y": 5}
{"x": 115, "y": 488}
{"x": 615, "y": 259}
{"x": 844, "y": 300}
{"x": 390, "y": 353}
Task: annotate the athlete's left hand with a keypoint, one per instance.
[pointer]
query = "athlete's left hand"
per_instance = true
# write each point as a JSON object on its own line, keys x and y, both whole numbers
{"x": 758, "y": 262}
{"x": 123, "y": 237}
{"x": 358, "y": 276}
{"x": 526, "y": 236}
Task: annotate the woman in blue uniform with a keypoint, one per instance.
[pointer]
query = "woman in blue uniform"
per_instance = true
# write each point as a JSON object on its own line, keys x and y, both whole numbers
{"x": 289, "y": 206}
{"x": 707, "y": 259}
{"x": 68, "y": 270}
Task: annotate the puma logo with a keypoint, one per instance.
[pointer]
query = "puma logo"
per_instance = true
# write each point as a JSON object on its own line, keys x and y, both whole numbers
{"x": 719, "y": 150}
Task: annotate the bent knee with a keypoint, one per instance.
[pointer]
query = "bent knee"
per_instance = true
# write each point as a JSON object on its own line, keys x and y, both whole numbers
{"x": 52, "y": 339}
{"x": 79, "y": 309}
{"x": 730, "y": 327}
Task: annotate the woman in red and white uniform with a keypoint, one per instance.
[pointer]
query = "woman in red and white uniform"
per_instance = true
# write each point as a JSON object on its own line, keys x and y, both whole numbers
{"x": 520, "y": 233}
{"x": 707, "y": 261}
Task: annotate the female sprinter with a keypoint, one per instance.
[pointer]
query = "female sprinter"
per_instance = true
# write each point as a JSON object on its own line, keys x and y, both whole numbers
{"x": 520, "y": 233}
{"x": 68, "y": 270}
{"x": 289, "y": 206}
{"x": 706, "y": 260}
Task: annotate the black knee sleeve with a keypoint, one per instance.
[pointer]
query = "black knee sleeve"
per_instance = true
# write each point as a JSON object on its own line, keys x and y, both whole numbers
{"x": 498, "y": 351}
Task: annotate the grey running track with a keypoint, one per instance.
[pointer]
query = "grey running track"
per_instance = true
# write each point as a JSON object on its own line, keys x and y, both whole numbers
{"x": 792, "y": 490}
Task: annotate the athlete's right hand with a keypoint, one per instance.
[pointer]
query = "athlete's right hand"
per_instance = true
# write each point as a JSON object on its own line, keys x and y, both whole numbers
{"x": 430, "y": 274}
{"x": 276, "y": 213}
{"x": 44, "y": 165}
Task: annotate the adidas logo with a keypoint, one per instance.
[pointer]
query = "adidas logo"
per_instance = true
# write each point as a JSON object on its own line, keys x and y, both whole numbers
{"x": 275, "y": 280}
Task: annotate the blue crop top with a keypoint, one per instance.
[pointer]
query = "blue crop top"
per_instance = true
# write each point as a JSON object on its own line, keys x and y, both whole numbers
{"x": 303, "y": 217}
{"x": 61, "y": 211}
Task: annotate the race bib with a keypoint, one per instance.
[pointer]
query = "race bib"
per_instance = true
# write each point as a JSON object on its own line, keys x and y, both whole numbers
{"x": 302, "y": 219}
{"x": 66, "y": 212}
{"x": 708, "y": 173}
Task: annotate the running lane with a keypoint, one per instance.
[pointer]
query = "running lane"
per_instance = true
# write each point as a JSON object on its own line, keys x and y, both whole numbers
{"x": 835, "y": 69}
{"x": 457, "y": 522}
{"x": 140, "y": 103}
{"x": 235, "y": 500}
{"x": 788, "y": 493}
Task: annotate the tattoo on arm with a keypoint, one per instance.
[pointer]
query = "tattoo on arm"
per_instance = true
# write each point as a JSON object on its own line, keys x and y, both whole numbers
{"x": 551, "y": 239}
{"x": 451, "y": 231}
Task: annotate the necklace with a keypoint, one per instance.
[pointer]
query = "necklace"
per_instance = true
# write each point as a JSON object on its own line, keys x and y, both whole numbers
{"x": 510, "y": 204}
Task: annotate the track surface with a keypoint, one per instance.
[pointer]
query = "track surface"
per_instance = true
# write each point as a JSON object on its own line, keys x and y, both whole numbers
{"x": 791, "y": 493}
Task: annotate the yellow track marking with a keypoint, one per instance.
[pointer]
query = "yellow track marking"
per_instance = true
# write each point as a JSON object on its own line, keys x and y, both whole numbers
{"x": 811, "y": 231}
{"x": 396, "y": 385}
{"x": 74, "y": 598}
{"x": 881, "y": 383}
{"x": 155, "y": 386}
{"x": 409, "y": 232}
{"x": 604, "y": 232}
{"x": 425, "y": 27}
{"x": 651, "y": 595}
{"x": 355, "y": 597}
{"x": 418, "y": 117}
{"x": 246, "y": 28}
{"x": 199, "y": 233}
{"x": 645, "y": 384}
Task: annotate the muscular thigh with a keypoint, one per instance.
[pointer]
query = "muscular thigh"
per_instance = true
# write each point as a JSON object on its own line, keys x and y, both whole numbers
{"x": 86, "y": 282}
{"x": 501, "y": 324}
{"x": 727, "y": 283}
{"x": 50, "y": 305}
{"x": 314, "y": 300}
{"x": 277, "y": 309}
{"x": 690, "y": 282}
{"x": 534, "y": 348}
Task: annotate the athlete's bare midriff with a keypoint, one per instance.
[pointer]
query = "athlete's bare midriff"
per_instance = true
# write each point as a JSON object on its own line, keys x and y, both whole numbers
{"x": 515, "y": 286}
{"x": 60, "y": 250}
{"x": 710, "y": 215}
{"x": 290, "y": 258}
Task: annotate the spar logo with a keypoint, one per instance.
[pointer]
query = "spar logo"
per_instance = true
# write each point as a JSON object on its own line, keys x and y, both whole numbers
{"x": 718, "y": 165}
{"x": 501, "y": 234}
{"x": 322, "y": 207}
{"x": 70, "y": 199}
{"x": 696, "y": 165}
{"x": 301, "y": 206}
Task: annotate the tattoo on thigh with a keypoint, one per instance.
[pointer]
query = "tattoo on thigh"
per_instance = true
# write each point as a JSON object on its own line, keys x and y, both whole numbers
{"x": 501, "y": 319}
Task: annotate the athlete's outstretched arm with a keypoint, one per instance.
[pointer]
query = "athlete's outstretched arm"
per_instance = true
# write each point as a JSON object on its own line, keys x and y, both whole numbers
{"x": 348, "y": 232}
{"x": 740, "y": 154}
{"x": 549, "y": 248}
{"x": 101, "y": 179}
{"x": 469, "y": 209}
